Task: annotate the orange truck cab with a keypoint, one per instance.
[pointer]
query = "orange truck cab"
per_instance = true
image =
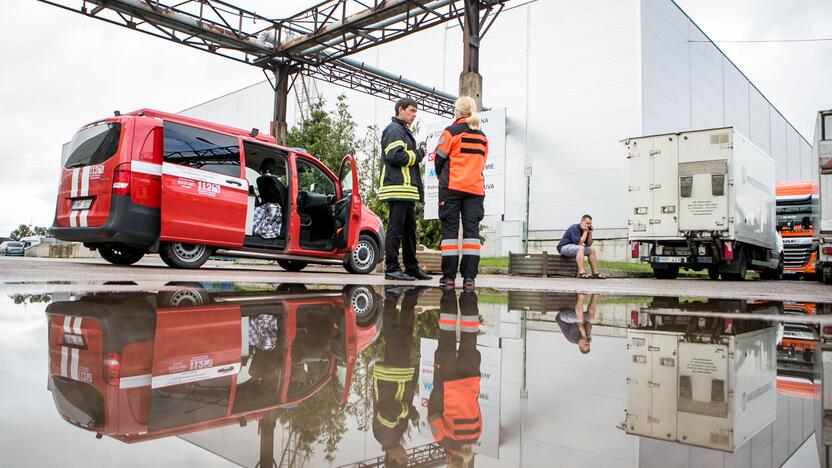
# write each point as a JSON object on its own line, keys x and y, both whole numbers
{"x": 139, "y": 366}
{"x": 149, "y": 181}
{"x": 797, "y": 214}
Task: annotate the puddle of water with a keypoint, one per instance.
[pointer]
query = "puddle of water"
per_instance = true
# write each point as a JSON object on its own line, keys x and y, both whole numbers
{"x": 216, "y": 374}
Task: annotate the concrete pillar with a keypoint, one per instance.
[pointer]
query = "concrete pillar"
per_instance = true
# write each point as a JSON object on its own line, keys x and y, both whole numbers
{"x": 470, "y": 84}
{"x": 279, "y": 126}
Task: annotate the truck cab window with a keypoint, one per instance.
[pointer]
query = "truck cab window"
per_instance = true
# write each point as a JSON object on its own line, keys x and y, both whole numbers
{"x": 201, "y": 149}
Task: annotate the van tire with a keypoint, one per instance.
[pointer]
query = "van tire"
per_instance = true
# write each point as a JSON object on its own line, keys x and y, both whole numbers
{"x": 365, "y": 303}
{"x": 666, "y": 272}
{"x": 364, "y": 258}
{"x": 713, "y": 272}
{"x": 120, "y": 254}
{"x": 741, "y": 268}
{"x": 182, "y": 255}
{"x": 292, "y": 265}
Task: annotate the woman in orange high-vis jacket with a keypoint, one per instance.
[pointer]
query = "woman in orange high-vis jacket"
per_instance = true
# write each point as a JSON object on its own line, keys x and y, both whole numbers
{"x": 459, "y": 161}
{"x": 453, "y": 405}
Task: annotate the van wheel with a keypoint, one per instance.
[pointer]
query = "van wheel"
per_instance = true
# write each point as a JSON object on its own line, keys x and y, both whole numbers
{"x": 292, "y": 265}
{"x": 363, "y": 258}
{"x": 742, "y": 268}
{"x": 120, "y": 254}
{"x": 364, "y": 302}
{"x": 666, "y": 272}
{"x": 181, "y": 255}
{"x": 713, "y": 272}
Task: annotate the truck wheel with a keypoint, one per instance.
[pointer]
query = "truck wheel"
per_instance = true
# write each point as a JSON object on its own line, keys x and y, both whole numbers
{"x": 181, "y": 255}
{"x": 666, "y": 272}
{"x": 826, "y": 275}
{"x": 363, "y": 258}
{"x": 713, "y": 272}
{"x": 120, "y": 254}
{"x": 292, "y": 265}
{"x": 742, "y": 269}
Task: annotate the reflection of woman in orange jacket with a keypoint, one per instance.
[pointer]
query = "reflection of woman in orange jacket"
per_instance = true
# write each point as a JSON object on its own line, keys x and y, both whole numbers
{"x": 453, "y": 407}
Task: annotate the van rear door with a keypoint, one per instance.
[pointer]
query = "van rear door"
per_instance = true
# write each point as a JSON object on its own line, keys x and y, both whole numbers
{"x": 204, "y": 193}
{"x": 86, "y": 179}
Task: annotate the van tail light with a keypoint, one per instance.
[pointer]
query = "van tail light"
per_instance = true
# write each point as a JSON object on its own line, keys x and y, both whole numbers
{"x": 728, "y": 250}
{"x": 827, "y": 330}
{"x": 633, "y": 249}
{"x": 121, "y": 180}
{"x": 633, "y": 319}
{"x": 827, "y": 250}
{"x": 112, "y": 368}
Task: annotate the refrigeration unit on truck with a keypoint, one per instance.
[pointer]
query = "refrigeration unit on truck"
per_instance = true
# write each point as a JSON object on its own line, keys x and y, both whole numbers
{"x": 703, "y": 200}
{"x": 822, "y": 149}
{"x": 701, "y": 381}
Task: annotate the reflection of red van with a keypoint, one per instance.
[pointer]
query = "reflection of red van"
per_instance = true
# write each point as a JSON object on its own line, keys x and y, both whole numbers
{"x": 124, "y": 366}
{"x": 185, "y": 188}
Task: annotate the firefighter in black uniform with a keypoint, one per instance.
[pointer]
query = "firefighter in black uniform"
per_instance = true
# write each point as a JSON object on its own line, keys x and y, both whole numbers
{"x": 453, "y": 407}
{"x": 401, "y": 187}
{"x": 395, "y": 378}
{"x": 459, "y": 162}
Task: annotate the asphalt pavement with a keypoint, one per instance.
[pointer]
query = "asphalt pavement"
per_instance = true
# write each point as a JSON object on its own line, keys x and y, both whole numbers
{"x": 19, "y": 275}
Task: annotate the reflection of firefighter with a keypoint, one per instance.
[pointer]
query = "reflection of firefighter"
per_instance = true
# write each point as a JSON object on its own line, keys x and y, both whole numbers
{"x": 395, "y": 377}
{"x": 453, "y": 407}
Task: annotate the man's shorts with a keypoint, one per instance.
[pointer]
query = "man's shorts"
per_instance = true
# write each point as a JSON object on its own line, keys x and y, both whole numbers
{"x": 571, "y": 250}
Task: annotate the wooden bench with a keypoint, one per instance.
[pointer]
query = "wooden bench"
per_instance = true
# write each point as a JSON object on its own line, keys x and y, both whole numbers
{"x": 543, "y": 264}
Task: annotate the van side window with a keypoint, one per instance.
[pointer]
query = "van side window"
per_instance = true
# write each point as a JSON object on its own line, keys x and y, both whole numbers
{"x": 312, "y": 179}
{"x": 201, "y": 149}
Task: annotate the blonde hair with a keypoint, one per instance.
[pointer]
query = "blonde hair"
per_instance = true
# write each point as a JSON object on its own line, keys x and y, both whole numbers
{"x": 467, "y": 108}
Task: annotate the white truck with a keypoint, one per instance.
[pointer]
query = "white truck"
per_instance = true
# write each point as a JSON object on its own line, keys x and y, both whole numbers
{"x": 822, "y": 150}
{"x": 701, "y": 381}
{"x": 703, "y": 200}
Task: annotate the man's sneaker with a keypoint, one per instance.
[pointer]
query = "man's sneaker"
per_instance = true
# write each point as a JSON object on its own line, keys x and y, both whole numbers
{"x": 447, "y": 283}
{"x": 398, "y": 276}
{"x": 468, "y": 284}
{"x": 420, "y": 275}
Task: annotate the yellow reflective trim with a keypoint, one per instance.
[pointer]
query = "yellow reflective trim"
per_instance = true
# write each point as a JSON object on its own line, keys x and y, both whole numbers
{"x": 406, "y": 175}
{"x": 401, "y": 196}
{"x": 395, "y": 145}
{"x": 385, "y": 422}
{"x": 406, "y": 188}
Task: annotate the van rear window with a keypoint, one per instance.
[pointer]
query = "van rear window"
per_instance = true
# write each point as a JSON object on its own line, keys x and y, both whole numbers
{"x": 202, "y": 149}
{"x": 93, "y": 145}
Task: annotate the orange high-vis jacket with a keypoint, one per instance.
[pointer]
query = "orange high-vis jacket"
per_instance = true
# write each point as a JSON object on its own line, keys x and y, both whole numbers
{"x": 460, "y": 158}
{"x": 460, "y": 420}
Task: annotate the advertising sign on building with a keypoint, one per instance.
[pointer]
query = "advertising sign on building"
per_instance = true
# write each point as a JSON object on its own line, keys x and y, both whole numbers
{"x": 494, "y": 127}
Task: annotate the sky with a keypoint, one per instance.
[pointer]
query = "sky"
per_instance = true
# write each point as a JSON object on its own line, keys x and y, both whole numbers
{"x": 59, "y": 70}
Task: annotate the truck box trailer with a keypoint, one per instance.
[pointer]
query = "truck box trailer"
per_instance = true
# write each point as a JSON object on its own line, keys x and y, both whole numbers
{"x": 822, "y": 149}
{"x": 703, "y": 389}
{"x": 703, "y": 200}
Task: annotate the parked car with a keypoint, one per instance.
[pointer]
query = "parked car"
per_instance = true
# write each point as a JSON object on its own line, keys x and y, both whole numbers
{"x": 12, "y": 248}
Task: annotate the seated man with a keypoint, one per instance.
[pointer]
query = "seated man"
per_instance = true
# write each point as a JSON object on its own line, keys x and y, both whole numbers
{"x": 268, "y": 217}
{"x": 577, "y": 242}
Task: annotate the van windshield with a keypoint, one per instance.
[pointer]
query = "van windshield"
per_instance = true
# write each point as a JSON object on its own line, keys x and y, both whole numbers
{"x": 93, "y": 145}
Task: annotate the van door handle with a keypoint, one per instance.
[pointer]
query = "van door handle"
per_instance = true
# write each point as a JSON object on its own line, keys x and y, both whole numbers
{"x": 223, "y": 370}
{"x": 238, "y": 184}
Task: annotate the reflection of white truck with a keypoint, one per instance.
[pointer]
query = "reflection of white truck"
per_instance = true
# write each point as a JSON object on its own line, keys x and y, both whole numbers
{"x": 703, "y": 200}
{"x": 701, "y": 390}
{"x": 823, "y": 151}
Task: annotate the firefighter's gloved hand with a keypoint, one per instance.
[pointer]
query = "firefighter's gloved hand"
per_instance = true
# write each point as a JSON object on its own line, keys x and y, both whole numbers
{"x": 420, "y": 152}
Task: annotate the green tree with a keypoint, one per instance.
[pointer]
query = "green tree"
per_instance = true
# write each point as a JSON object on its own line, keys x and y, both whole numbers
{"x": 327, "y": 135}
{"x": 25, "y": 230}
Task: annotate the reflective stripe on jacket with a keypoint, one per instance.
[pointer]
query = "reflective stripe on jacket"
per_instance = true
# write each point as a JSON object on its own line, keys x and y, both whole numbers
{"x": 460, "y": 158}
{"x": 401, "y": 179}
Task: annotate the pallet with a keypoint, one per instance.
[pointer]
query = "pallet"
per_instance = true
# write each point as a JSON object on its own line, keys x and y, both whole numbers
{"x": 542, "y": 264}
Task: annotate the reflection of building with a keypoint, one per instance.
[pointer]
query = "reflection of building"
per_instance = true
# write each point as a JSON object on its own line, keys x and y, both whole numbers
{"x": 700, "y": 380}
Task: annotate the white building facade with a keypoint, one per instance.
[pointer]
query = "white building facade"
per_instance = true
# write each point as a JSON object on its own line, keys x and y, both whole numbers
{"x": 575, "y": 79}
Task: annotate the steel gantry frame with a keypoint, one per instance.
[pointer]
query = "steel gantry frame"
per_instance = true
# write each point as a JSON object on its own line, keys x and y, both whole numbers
{"x": 314, "y": 42}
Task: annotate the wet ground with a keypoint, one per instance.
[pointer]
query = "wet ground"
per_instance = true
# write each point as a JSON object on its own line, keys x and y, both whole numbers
{"x": 143, "y": 373}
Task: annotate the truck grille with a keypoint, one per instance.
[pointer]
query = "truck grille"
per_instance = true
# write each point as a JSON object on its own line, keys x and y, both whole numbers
{"x": 796, "y": 255}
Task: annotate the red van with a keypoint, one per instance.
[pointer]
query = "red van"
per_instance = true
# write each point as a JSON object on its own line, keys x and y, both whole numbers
{"x": 149, "y": 181}
{"x": 140, "y": 366}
